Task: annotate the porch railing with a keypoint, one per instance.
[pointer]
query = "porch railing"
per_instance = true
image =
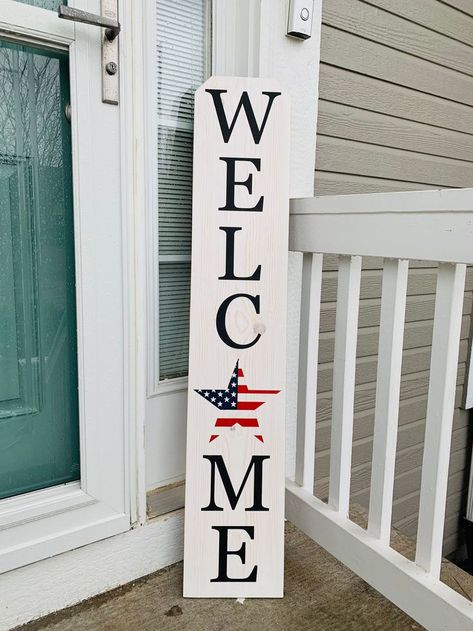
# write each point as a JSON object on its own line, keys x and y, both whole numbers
{"x": 431, "y": 226}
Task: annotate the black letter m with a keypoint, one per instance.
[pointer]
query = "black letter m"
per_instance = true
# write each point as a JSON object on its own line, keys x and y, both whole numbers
{"x": 244, "y": 103}
{"x": 216, "y": 462}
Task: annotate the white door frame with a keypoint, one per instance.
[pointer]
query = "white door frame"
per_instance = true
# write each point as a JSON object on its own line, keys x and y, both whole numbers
{"x": 47, "y": 522}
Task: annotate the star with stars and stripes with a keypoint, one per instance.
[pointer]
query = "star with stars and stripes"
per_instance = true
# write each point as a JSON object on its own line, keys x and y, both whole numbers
{"x": 236, "y": 397}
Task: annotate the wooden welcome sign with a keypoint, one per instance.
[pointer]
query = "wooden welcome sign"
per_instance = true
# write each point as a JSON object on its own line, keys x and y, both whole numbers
{"x": 234, "y": 516}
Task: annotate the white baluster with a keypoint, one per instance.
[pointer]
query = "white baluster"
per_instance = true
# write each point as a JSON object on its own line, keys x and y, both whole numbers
{"x": 308, "y": 359}
{"x": 391, "y": 335}
{"x": 440, "y": 405}
{"x": 346, "y": 330}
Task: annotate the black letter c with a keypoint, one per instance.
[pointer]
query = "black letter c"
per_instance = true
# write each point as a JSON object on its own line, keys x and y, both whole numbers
{"x": 221, "y": 315}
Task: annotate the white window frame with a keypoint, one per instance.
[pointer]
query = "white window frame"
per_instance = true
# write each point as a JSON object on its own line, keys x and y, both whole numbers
{"x": 43, "y": 523}
{"x": 248, "y": 39}
{"x": 156, "y": 385}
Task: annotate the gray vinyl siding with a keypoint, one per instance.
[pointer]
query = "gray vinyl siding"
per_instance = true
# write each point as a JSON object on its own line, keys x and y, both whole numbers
{"x": 395, "y": 114}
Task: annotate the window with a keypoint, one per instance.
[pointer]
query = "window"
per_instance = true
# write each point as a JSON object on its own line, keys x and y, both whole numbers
{"x": 183, "y": 44}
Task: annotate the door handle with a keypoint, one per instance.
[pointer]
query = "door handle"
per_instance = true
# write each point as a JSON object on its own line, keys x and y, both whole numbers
{"x": 108, "y": 20}
{"x": 112, "y": 27}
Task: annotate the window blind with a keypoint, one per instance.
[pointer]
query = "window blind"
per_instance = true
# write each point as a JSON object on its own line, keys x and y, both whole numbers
{"x": 181, "y": 66}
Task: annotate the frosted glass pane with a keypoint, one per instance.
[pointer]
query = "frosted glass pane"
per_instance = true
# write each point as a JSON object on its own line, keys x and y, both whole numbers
{"x": 182, "y": 56}
{"x": 181, "y": 35}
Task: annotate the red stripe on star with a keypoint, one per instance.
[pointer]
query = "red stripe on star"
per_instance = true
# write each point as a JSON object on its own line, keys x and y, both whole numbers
{"x": 230, "y": 422}
{"x": 249, "y": 405}
{"x": 245, "y": 390}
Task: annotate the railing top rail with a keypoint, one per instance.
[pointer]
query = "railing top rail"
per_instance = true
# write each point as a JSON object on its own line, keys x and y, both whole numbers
{"x": 425, "y": 225}
{"x": 439, "y": 200}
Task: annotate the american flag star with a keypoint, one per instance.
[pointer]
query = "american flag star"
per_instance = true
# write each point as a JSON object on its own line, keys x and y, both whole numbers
{"x": 236, "y": 397}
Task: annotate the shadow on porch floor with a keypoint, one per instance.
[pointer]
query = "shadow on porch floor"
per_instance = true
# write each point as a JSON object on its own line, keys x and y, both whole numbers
{"x": 320, "y": 594}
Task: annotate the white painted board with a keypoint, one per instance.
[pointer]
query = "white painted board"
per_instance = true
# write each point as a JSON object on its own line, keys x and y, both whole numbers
{"x": 234, "y": 542}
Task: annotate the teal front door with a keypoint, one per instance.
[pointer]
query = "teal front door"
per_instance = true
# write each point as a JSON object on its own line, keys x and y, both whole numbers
{"x": 39, "y": 431}
{"x": 67, "y": 430}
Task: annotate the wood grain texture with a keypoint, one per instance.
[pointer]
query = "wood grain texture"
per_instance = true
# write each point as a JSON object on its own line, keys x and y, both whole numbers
{"x": 262, "y": 241}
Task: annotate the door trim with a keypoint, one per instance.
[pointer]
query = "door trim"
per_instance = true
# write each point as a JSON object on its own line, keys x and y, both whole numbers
{"x": 33, "y": 25}
{"x": 47, "y": 522}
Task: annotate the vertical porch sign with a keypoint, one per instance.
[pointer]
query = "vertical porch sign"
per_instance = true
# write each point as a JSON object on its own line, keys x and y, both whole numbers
{"x": 234, "y": 516}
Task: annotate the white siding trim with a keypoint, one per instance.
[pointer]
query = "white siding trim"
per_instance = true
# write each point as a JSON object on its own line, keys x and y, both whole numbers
{"x": 137, "y": 182}
{"x": 250, "y": 40}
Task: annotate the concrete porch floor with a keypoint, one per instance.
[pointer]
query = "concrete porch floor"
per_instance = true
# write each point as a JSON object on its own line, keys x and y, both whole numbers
{"x": 320, "y": 594}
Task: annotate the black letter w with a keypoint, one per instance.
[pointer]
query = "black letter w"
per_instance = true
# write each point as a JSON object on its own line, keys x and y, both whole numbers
{"x": 244, "y": 103}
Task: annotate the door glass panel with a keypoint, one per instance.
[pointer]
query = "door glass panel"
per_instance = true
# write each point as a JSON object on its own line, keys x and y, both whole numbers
{"x": 44, "y": 4}
{"x": 182, "y": 56}
{"x": 39, "y": 431}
